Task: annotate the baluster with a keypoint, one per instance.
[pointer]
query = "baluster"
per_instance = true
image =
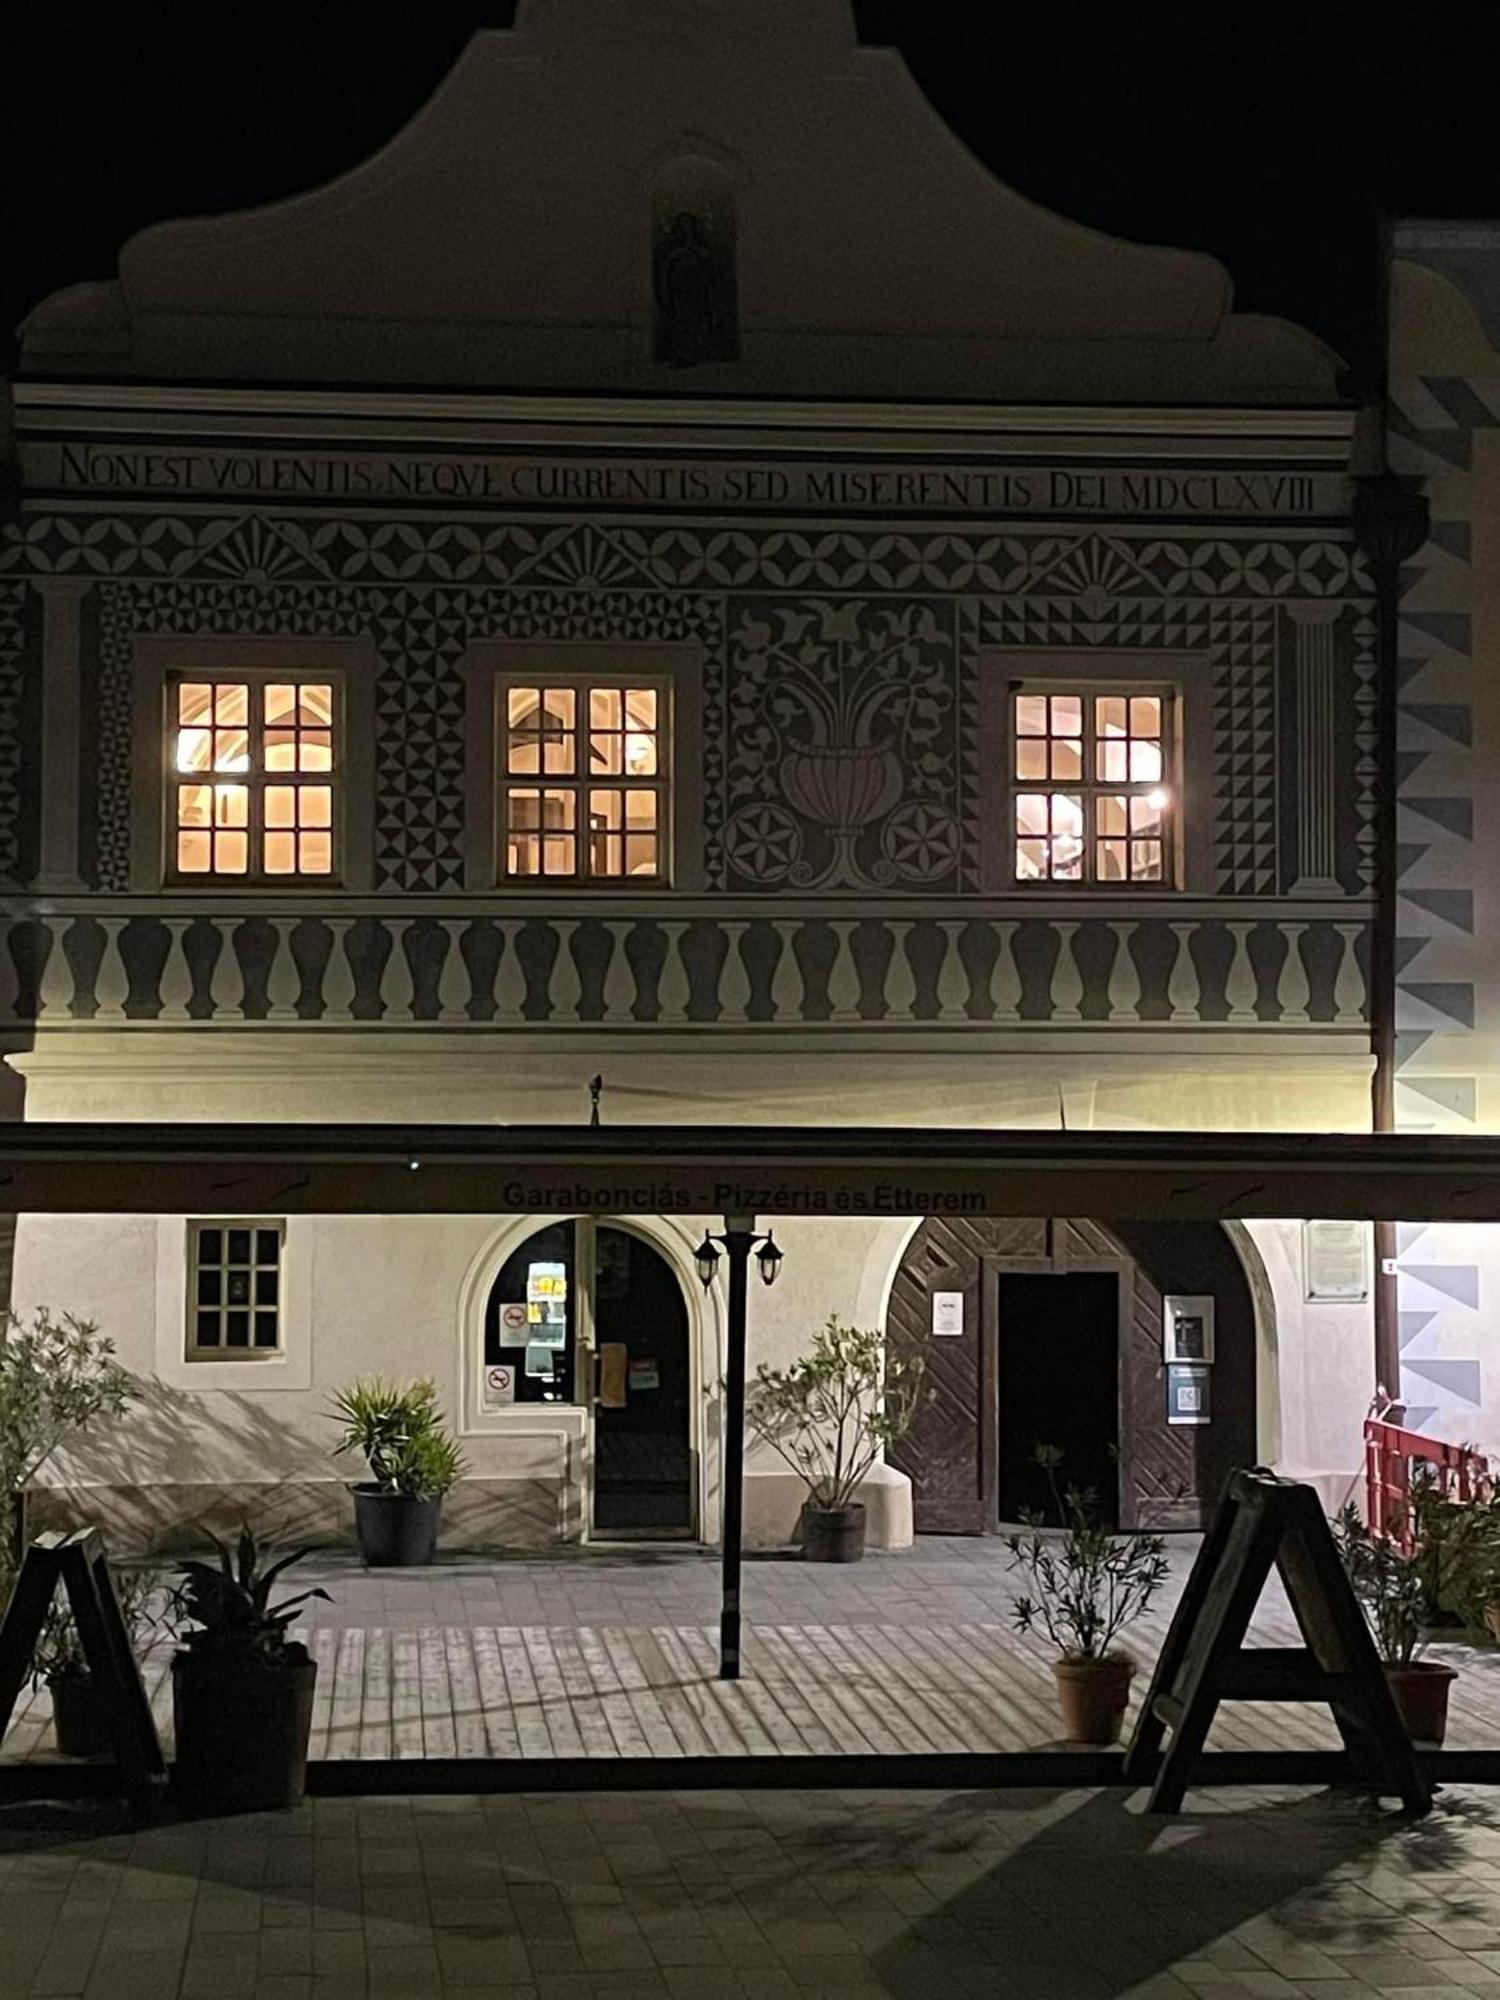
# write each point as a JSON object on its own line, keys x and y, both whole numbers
{"x": 843, "y": 979}
{"x": 10, "y": 984}
{"x": 56, "y": 996}
{"x": 564, "y": 988}
{"x": 953, "y": 978}
{"x": 900, "y": 986}
{"x": 455, "y": 987}
{"x": 176, "y": 976}
{"x": 674, "y": 989}
{"x": 734, "y": 979}
{"x": 1183, "y": 990}
{"x": 397, "y": 988}
{"x": 1124, "y": 979}
{"x": 282, "y": 984}
{"x": 1067, "y": 986}
{"x": 1292, "y": 990}
{"x": 787, "y": 991}
{"x": 227, "y": 987}
{"x": 619, "y": 979}
{"x": 1241, "y": 989}
{"x": 510, "y": 977}
{"x": 1349, "y": 985}
{"x": 1005, "y": 979}
{"x": 111, "y": 983}
{"x": 338, "y": 973}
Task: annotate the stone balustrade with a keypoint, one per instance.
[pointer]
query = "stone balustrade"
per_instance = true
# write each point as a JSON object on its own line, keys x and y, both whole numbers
{"x": 691, "y": 965}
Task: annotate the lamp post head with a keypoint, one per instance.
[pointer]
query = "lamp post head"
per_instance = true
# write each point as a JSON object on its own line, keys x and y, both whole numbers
{"x": 768, "y": 1257}
{"x": 706, "y": 1258}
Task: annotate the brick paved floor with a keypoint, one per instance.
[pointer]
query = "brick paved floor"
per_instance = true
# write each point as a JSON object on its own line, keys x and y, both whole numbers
{"x": 773, "y": 1896}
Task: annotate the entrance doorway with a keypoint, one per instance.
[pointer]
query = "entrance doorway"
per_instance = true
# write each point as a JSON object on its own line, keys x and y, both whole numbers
{"x": 586, "y": 1312}
{"x": 1058, "y": 1384}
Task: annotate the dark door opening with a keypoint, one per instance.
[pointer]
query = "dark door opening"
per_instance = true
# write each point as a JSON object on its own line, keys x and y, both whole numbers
{"x": 1058, "y": 1384}
{"x": 643, "y": 1461}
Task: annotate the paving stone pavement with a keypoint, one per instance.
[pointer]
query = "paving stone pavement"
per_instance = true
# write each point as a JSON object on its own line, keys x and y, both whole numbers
{"x": 772, "y": 1896}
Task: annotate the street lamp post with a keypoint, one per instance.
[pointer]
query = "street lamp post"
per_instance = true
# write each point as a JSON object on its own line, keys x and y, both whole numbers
{"x": 739, "y": 1241}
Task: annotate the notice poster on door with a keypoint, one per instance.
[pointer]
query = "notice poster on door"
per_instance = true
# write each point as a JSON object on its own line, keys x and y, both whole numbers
{"x": 1188, "y": 1327}
{"x": 539, "y": 1360}
{"x": 948, "y": 1314}
{"x": 1188, "y": 1392}
{"x": 644, "y": 1373}
{"x": 512, "y": 1323}
{"x": 546, "y": 1308}
{"x": 497, "y": 1386}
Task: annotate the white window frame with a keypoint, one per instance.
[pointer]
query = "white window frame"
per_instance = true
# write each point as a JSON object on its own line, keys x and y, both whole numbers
{"x": 1091, "y": 788}
{"x": 195, "y": 1352}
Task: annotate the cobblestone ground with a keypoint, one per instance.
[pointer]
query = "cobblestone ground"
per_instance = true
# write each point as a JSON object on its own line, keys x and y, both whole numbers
{"x": 1060, "y": 1896}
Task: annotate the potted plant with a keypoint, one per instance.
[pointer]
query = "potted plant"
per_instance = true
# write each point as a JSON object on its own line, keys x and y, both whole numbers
{"x": 1393, "y": 1585}
{"x": 413, "y": 1462}
{"x": 79, "y": 1723}
{"x": 1089, "y": 1584}
{"x": 242, "y": 1692}
{"x": 57, "y": 1377}
{"x": 829, "y": 1416}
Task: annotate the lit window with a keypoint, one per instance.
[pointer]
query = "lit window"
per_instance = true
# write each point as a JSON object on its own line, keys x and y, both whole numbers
{"x": 253, "y": 778}
{"x": 583, "y": 792}
{"x": 234, "y": 1289}
{"x": 1092, "y": 796}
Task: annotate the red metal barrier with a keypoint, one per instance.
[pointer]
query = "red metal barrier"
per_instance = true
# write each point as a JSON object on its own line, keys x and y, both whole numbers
{"x": 1460, "y": 1474}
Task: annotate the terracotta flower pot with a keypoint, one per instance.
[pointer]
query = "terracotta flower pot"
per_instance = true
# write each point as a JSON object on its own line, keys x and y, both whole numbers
{"x": 1092, "y": 1695}
{"x": 1421, "y": 1691}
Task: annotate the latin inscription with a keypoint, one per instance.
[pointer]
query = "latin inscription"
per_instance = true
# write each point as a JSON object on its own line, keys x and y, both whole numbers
{"x": 678, "y": 483}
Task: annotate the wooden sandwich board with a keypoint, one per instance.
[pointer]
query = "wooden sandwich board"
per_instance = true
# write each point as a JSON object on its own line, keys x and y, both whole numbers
{"x": 77, "y": 1562}
{"x": 1262, "y": 1523}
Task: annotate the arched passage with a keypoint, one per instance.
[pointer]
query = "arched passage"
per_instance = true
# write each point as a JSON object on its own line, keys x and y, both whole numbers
{"x": 1059, "y": 1341}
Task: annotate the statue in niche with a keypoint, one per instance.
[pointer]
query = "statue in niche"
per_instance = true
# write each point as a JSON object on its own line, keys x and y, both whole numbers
{"x": 694, "y": 289}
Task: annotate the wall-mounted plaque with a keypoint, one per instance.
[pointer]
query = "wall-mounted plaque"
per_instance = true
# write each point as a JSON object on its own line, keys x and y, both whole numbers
{"x": 498, "y": 1385}
{"x": 1335, "y": 1261}
{"x": 1187, "y": 1332}
{"x": 1189, "y": 1387}
{"x": 947, "y": 1314}
{"x": 513, "y": 1324}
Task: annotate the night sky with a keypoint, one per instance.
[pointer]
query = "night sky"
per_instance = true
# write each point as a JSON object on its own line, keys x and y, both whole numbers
{"x": 1271, "y": 136}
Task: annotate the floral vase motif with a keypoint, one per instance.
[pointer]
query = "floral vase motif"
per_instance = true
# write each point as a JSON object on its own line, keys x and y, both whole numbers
{"x": 844, "y": 787}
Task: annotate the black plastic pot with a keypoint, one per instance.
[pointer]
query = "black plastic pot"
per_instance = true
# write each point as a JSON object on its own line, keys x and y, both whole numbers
{"x": 395, "y": 1531}
{"x": 242, "y": 1726}
{"x": 78, "y": 1719}
{"x": 833, "y": 1534}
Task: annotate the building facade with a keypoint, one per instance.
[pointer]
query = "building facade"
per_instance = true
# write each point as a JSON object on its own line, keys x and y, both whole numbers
{"x": 671, "y": 574}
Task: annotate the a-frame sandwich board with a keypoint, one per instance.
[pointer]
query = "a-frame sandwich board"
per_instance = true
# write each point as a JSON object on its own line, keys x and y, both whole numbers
{"x": 1264, "y": 1523}
{"x": 77, "y": 1562}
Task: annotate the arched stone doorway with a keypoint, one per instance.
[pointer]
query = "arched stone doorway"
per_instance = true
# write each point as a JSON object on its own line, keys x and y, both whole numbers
{"x": 590, "y": 1313}
{"x": 1061, "y": 1343}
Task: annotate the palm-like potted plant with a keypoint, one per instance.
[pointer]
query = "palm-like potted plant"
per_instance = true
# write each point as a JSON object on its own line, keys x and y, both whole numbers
{"x": 242, "y": 1691}
{"x": 829, "y": 1416}
{"x": 1394, "y": 1586}
{"x": 79, "y": 1723}
{"x": 1089, "y": 1585}
{"x": 413, "y": 1462}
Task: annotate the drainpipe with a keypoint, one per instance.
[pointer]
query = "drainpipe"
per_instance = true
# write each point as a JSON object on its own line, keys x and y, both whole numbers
{"x": 1390, "y": 525}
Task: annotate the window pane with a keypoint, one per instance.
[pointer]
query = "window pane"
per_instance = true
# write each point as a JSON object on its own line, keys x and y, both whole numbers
{"x": 1113, "y": 760}
{"x": 1146, "y": 860}
{"x": 1031, "y": 715}
{"x": 605, "y": 810}
{"x": 232, "y": 702}
{"x": 1067, "y": 715}
{"x": 640, "y": 708}
{"x": 280, "y": 702}
{"x": 231, "y": 853}
{"x": 194, "y": 804}
{"x": 557, "y": 754}
{"x": 605, "y": 708}
{"x": 1112, "y": 818}
{"x": 1145, "y": 814}
{"x": 1067, "y": 760}
{"x": 207, "y": 1329}
{"x": 210, "y": 1246}
{"x": 239, "y": 1288}
{"x": 1109, "y": 715}
{"x": 315, "y": 805}
{"x": 208, "y": 1287}
{"x": 281, "y": 750}
{"x": 315, "y": 704}
{"x": 1110, "y": 860}
{"x": 239, "y": 1247}
{"x": 231, "y": 805}
{"x": 1031, "y": 757}
{"x": 315, "y": 750}
{"x": 237, "y": 1329}
{"x": 265, "y": 1287}
{"x": 522, "y": 707}
{"x": 640, "y": 854}
{"x": 606, "y": 754}
{"x": 1031, "y": 860}
{"x": 558, "y": 855}
{"x": 524, "y": 755}
{"x": 195, "y": 749}
{"x": 1145, "y": 761}
{"x": 1032, "y": 816}
{"x": 315, "y": 853}
{"x": 265, "y": 1329}
{"x": 231, "y": 750}
{"x": 1145, "y": 715}
{"x": 267, "y": 1246}
{"x": 281, "y": 805}
{"x": 559, "y": 706}
{"x": 640, "y": 808}
{"x": 523, "y": 855}
{"x": 1067, "y": 860}
{"x": 281, "y": 854}
{"x": 194, "y": 853}
{"x": 195, "y": 702}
